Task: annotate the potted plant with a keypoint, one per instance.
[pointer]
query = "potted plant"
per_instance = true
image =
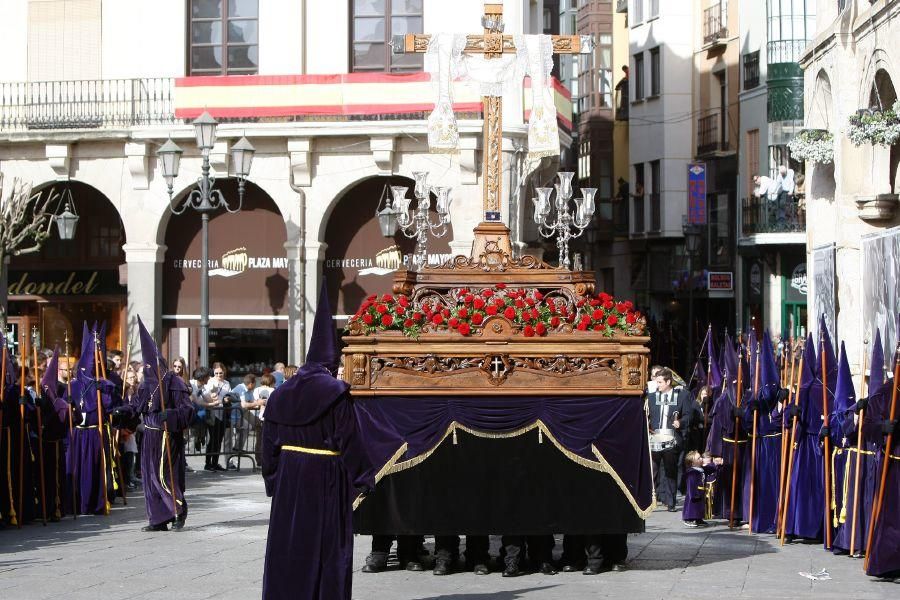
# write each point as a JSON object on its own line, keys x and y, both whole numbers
{"x": 875, "y": 127}
{"x": 814, "y": 145}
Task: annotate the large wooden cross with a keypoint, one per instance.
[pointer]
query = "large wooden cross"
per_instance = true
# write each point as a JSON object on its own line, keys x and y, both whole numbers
{"x": 493, "y": 44}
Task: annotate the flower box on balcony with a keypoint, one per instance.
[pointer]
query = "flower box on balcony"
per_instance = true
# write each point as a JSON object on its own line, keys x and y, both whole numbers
{"x": 875, "y": 127}
{"x": 814, "y": 145}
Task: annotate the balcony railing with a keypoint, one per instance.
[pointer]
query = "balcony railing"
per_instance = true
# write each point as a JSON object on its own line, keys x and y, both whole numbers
{"x": 86, "y": 104}
{"x": 714, "y": 27}
{"x": 751, "y": 70}
{"x": 655, "y": 213}
{"x": 762, "y": 215}
{"x": 638, "y": 221}
{"x": 785, "y": 51}
{"x": 708, "y": 136}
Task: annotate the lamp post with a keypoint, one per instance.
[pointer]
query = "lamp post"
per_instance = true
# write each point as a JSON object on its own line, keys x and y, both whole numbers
{"x": 562, "y": 227}
{"x": 692, "y": 241}
{"x": 205, "y": 200}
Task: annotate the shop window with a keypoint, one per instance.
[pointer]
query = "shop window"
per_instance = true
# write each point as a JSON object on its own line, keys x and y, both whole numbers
{"x": 105, "y": 240}
{"x": 224, "y": 37}
{"x": 373, "y": 23}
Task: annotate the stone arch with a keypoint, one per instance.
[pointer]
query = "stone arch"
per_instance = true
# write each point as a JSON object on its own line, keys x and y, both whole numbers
{"x": 880, "y": 93}
{"x": 820, "y": 115}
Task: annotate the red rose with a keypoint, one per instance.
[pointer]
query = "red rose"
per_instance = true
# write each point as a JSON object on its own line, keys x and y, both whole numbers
{"x": 597, "y": 314}
{"x": 462, "y": 313}
{"x": 387, "y": 320}
{"x": 491, "y": 310}
{"x": 529, "y": 301}
{"x": 630, "y": 318}
{"x": 612, "y": 320}
{"x": 478, "y": 303}
{"x": 608, "y": 305}
{"x": 598, "y": 327}
{"x": 403, "y": 301}
{"x": 453, "y": 323}
{"x": 387, "y": 298}
{"x": 446, "y": 313}
{"x": 418, "y": 316}
{"x": 580, "y": 303}
{"x": 464, "y": 329}
{"x": 528, "y": 331}
{"x": 540, "y": 329}
{"x": 620, "y": 307}
{"x": 437, "y": 319}
{"x": 500, "y": 286}
{"x": 408, "y": 323}
{"x": 463, "y": 291}
{"x": 381, "y": 308}
{"x": 594, "y": 302}
{"x": 469, "y": 298}
{"x": 538, "y": 296}
{"x": 499, "y": 302}
{"x": 520, "y": 303}
{"x": 510, "y": 313}
{"x": 629, "y": 304}
{"x": 604, "y": 297}
{"x": 585, "y": 319}
{"x": 563, "y": 309}
{"x": 372, "y": 298}
{"x": 582, "y": 326}
{"x": 487, "y": 293}
{"x": 554, "y": 322}
{"x": 399, "y": 310}
{"x": 368, "y": 319}
{"x": 477, "y": 318}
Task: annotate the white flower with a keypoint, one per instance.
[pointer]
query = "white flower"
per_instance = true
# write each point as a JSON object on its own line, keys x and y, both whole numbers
{"x": 814, "y": 145}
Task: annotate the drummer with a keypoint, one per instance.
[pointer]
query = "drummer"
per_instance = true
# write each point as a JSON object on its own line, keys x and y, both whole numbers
{"x": 669, "y": 417}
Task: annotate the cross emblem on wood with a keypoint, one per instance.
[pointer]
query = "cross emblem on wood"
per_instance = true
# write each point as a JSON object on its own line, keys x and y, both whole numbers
{"x": 493, "y": 44}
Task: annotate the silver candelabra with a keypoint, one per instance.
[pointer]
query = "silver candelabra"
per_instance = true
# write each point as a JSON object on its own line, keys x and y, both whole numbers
{"x": 566, "y": 226}
{"x": 417, "y": 223}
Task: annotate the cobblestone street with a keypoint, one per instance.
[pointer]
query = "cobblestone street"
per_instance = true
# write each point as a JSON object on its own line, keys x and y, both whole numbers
{"x": 220, "y": 555}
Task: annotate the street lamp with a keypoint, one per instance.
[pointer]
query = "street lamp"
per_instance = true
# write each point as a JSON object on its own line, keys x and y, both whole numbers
{"x": 692, "y": 240}
{"x": 205, "y": 200}
{"x": 67, "y": 220}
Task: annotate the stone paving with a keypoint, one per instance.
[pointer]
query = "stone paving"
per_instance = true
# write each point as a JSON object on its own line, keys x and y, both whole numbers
{"x": 220, "y": 555}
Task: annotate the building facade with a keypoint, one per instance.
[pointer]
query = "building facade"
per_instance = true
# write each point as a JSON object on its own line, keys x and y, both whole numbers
{"x": 852, "y": 66}
{"x": 89, "y": 90}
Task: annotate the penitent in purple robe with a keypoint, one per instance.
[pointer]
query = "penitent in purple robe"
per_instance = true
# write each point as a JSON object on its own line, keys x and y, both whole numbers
{"x": 695, "y": 494}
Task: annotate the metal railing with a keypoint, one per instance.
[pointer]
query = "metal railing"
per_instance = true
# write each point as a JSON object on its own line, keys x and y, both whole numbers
{"x": 226, "y": 437}
{"x": 655, "y": 212}
{"x": 638, "y": 221}
{"x": 714, "y": 28}
{"x": 86, "y": 103}
{"x": 778, "y": 215}
{"x": 751, "y": 70}
{"x": 785, "y": 51}
{"x": 708, "y": 137}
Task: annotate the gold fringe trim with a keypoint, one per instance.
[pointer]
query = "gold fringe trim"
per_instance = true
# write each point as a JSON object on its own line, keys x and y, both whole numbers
{"x": 601, "y": 464}
{"x": 384, "y": 470}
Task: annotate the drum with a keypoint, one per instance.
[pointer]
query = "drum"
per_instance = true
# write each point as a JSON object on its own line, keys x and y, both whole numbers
{"x": 662, "y": 439}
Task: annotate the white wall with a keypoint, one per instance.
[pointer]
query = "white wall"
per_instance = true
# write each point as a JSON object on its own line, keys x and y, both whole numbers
{"x": 14, "y": 40}
{"x": 144, "y": 39}
{"x": 281, "y": 36}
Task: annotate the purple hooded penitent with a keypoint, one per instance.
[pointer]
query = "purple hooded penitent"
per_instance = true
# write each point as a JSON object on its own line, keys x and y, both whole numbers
{"x": 313, "y": 464}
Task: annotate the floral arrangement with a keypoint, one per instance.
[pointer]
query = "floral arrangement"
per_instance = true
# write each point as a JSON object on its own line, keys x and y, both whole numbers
{"x": 814, "y": 145}
{"x": 875, "y": 127}
{"x": 528, "y": 310}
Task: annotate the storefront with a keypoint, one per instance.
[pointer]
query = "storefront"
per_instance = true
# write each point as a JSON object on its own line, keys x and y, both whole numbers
{"x": 359, "y": 260}
{"x": 53, "y": 292}
{"x": 794, "y": 289}
{"x": 248, "y": 284}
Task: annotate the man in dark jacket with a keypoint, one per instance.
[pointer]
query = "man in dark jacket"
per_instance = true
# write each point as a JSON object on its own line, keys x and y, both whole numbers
{"x": 670, "y": 410}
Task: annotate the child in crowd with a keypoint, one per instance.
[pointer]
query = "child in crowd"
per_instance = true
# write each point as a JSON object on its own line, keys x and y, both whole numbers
{"x": 695, "y": 497}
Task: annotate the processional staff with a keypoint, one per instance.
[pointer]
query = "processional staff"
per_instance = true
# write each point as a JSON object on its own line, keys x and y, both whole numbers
{"x": 785, "y": 438}
{"x": 12, "y": 505}
{"x": 859, "y": 450}
{"x": 166, "y": 445}
{"x": 735, "y": 463}
{"x": 753, "y": 438}
{"x": 793, "y": 446}
{"x": 100, "y": 422}
{"x": 40, "y": 424}
{"x": 827, "y": 441}
{"x": 71, "y": 424}
{"x": 22, "y": 356}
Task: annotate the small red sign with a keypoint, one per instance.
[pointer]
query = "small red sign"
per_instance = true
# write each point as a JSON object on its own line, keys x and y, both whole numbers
{"x": 722, "y": 281}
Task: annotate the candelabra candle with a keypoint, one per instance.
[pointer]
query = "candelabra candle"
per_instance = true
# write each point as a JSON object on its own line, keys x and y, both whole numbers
{"x": 565, "y": 227}
{"x": 416, "y": 224}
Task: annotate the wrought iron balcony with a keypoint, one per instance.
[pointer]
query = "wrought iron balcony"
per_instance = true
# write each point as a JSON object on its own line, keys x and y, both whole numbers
{"x": 86, "y": 104}
{"x": 785, "y": 51}
{"x": 762, "y": 215}
{"x": 751, "y": 70}
{"x": 714, "y": 25}
{"x": 709, "y": 137}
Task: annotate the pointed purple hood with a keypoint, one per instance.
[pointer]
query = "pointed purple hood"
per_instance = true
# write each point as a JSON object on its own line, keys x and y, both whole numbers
{"x": 51, "y": 376}
{"x": 715, "y": 372}
{"x": 323, "y": 345}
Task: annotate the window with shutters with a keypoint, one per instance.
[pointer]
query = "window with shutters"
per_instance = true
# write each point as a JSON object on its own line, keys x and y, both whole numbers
{"x": 752, "y": 158}
{"x": 224, "y": 37}
{"x": 373, "y": 23}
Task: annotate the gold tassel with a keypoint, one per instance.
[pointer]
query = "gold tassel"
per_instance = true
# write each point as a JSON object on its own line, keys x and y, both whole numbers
{"x": 540, "y": 436}
{"x": 454, "y": 436}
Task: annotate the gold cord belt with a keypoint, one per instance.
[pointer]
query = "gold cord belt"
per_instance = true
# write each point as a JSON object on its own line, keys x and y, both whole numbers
{"x": 319, "y": 451}
{"x": 725, "y": 439}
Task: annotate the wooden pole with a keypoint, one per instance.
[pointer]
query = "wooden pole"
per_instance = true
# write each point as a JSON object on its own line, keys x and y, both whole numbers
{"x": 22, "y": 354}
{"x": 167, "y": 447}
{"x": 885, "y": 461}
{"x": 826, "y": 455}
{"x": 100, "y": 422}
{"x": 12, "y": 507}
{"x": 790, "y": 471}
{"x": 113, "y": 442}
{"x": 782, "y": 476}
{"x": 40, "y": 426}
{"x": 859, "y": 449}
{"x": 71, "y": 424}
{"x": 753, "y": 441}
{"x": 735, "y": 463}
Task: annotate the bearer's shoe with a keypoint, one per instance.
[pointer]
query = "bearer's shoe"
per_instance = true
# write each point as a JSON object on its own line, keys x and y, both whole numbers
{"x": 618, "y": 567}
{"x": 414, "y": 565}
{"x": 547, "y": 569}
{"x": 512, "y": 570}
{"x": 160, "y": 527}
{"x": 589, "y": 570}
{"x": 689, "y": 524}
{"x": 442, "y": 567}
{"x": 374, "y": 564}
{"x": 572, "y": 567}
{"x": 481, "y": 569}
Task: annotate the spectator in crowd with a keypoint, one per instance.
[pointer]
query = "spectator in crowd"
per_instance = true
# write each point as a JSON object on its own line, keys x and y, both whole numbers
{"x": 262, "y": 392}
{"x": 242, "y": 394}
{"x": 128, "y": 440}
{"x": 254, "y": 410}
{"x": 179, "y": 366}
{"x": 200, "y": 377}
{"x": 278, "y": 373}
{"x": 216, "y": 388}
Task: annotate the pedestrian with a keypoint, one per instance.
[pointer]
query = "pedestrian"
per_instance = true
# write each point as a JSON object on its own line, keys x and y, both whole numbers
{"x": 163, "y": 402}
{"x": 279, "y": 374}
{"x": 240, "y": 418}
{"x": 216, "y": 389}
{"x": 313, "y": 459}
{"x": 670, "y": 413}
